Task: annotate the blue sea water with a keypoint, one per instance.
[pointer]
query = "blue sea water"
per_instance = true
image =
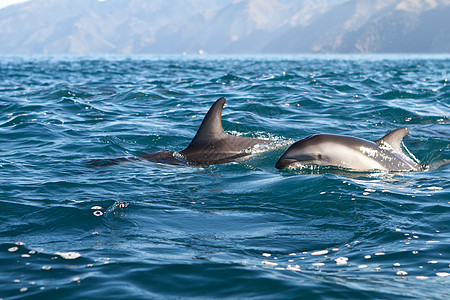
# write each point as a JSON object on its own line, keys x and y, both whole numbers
{"x": 143, "y": 230}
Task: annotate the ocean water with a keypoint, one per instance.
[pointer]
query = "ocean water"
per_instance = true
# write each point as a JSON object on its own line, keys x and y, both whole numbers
{"x": 143, "y": 230}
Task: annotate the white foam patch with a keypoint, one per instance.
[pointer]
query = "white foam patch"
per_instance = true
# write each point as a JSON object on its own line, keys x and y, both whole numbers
{"x": 269, "y": 263}
{"x": 293, "y": 268}
{"x": 341, "y": 261}
{"x": 318, "y": 264}
{"x": 363, "y": 266}
{"x": 434, "y": 188}
{"x": 69, "y": 255}
{"x": 321, "y": 252}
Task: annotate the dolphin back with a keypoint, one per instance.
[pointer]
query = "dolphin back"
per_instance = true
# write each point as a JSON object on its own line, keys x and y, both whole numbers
{"x": 212, "y": 145}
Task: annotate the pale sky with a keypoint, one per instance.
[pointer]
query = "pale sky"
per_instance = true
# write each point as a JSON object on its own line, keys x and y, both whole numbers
{"x": 5, "y": 3}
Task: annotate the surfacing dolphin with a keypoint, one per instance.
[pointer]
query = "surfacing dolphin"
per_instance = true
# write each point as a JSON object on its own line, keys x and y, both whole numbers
{"x": 350, "y": 153}
{"x": 211, "y": 145}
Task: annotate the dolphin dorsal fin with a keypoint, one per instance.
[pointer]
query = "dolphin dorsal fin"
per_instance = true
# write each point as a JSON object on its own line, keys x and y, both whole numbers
{"x": 211, "y": 127}
{"x": 393, "y": 140}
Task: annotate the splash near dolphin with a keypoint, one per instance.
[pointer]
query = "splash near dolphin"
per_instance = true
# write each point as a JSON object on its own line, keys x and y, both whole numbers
{"x": 350, "y": 153}
{"x": 211, "y": 145}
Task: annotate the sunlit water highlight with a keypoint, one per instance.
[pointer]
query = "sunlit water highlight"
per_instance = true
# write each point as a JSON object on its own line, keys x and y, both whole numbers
{"x": 242, "y": 229}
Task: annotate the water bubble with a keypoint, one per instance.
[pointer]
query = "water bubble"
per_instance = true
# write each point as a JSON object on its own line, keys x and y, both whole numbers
{"x": 266, "y": 254}
{"x": 402, "y": 273}
{"x": 96, "y": 207}
{"x": 98, "y": 213}
{"x": 46, "y": 268}
{"x": 442, "y": 274}
{"x": 13, "y": 249}
{"x": 320, "y": 252}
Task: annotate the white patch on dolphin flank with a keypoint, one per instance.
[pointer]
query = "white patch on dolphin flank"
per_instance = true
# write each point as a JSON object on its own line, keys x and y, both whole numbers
{"x": 385, "y": 146}
{"x": 368, "y": 151}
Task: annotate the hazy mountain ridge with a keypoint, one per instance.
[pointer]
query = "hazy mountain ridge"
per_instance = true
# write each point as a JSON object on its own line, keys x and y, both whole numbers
{"x": 245, "y": 26}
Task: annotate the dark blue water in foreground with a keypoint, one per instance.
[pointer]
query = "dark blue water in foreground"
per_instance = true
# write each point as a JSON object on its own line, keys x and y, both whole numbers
{"x": 240, "y": 230}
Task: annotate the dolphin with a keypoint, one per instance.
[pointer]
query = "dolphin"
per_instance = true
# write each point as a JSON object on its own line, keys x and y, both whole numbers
{"x": 350, "y": 153}
{"x": 211, "y": 145}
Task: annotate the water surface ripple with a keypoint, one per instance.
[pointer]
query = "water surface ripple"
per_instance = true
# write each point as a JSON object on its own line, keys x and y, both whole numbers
{"x": 240, "y": 230}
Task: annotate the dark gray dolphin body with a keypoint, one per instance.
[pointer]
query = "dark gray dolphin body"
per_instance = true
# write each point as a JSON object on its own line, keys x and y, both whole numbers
{"x": 350, "y": 153}
{"x": 211, "y": 145}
